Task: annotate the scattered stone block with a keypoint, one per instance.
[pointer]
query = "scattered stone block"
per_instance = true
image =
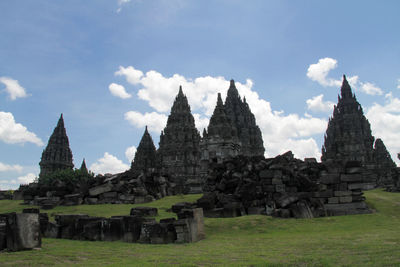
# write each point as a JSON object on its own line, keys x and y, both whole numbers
{"x": 22, "y": 231}
{"x": 144, "y": 211}
{"x": 95, "y": 191}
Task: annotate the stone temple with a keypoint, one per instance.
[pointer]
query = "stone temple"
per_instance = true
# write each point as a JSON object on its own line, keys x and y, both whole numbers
{"x": 243, "y": 119}
{"x": 178, "y": 155}
{"x": 57, "y": 155}
{"x": 348, "y": 136}
{"x": 232, "y": 131}
{"x": 145, "y": 157}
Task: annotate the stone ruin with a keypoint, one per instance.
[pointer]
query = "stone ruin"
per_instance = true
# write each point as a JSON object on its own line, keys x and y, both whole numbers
{"x": 57, "y": 155}
{"x": 22, "y": 231}
{"x": 179, "y": 151}
{"x": 178, "y": 166}
{"x": 349, "y": 137}
{"x": 284, "y": 187}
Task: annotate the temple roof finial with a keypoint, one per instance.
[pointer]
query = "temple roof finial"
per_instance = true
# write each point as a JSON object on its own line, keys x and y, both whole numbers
{"x": 345, "y": 89}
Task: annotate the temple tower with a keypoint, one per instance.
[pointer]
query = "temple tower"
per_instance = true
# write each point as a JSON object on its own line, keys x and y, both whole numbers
{"x": 57, "y": 155}
{"x": 145, "y": 157}
{"x": 179, "y": 150}
{"x": 221, "y": 139}
{"x": 348, "y": 136}
{"x": 243, "y": 119}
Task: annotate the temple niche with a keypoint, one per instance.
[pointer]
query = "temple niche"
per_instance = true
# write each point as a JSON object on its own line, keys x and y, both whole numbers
{"x": 145, "y": 157}
{"x": 348, "y": 136}
{"x": 178, "y": 155}
{"x": 57, "y": 154}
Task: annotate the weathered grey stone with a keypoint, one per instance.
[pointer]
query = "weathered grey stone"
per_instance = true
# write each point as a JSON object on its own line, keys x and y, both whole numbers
{"x": 345, "y": 199}
{"x": 351, "y": 177}
{"x": 95, "y": 191}
{"x": 144, "y": 211}
{"x": 329, "y": 178}
{"x": 23, "y": 231}
{"x": 342, "y": 193}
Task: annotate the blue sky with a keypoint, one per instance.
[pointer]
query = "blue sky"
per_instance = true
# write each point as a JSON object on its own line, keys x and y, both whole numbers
{"x": 113, "y": 66}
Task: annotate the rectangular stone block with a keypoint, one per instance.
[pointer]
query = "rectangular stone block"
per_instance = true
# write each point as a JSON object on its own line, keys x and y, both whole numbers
{"x": 354, "y": 170}
{"x": 342, "y": 193}
{"x": 266, "y": 174}
{"x": 333, "y": 200}
{"x": 277, "y": 181}
{"x": 328, "y": 178}
{"x": 345, "y": 199}
{"x": 362, "y": 186}
{"x": 347, "y": 208}
{"x": 278, "y": 174}
{"x": 23, "y": 231}
{"x": 95, "y": 191}
{"x": 351, "y": 177}
{"x": 323, "y": 194}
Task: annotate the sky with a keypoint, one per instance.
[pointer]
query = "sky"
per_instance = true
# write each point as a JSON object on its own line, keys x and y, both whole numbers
{"x": 114, "y": 66}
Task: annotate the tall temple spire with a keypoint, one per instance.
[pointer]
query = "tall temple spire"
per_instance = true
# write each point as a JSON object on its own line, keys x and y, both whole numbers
{"x": 83, "y": 166}
{"x": 179, "y": 150}
{"x": 57, "y": 154}
{"x": 145, "y": 156}
{"x": 348, "y": 136}
{"x": 345, "y": 90}
{"x": 244, "y": 121}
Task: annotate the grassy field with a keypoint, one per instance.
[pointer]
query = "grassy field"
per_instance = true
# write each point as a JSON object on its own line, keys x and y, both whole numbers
{"x": 358, "y": 240}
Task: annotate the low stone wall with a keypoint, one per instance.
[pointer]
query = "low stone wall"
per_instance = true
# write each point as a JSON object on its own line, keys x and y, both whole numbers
{"x": 6, "y": 194}
{"x": 24, "y": 231}
{"x": 285, "y": 187}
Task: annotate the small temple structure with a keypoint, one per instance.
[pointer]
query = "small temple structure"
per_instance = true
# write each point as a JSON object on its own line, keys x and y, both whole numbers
{"x": 57, "y": 154}
{"x": 145, "y": 157}
{"x": 348, "y": 136}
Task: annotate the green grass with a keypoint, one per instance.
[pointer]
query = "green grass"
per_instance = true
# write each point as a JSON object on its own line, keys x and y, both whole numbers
{"x": 358, "y": 240}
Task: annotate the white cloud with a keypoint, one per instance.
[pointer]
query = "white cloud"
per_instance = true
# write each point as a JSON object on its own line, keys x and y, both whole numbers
{"x": 14, "y": 133}
{"x": 317, "y": 104}
{"x": 118, "y": 91}
{"x": 318, "y": 72}
{"x": 277, "y": 128}
{"x": 26, "y": 179}
{"x": 154, "y": 121}
{"x": 398, "y": 83}
{"x": 6, "y": 167}
{"x": 370, "y": 89}
{"x": 201, "y": 122}
{"x": 385, "y": 123}
{"x": 108, "y": 164}
{"x": 13, "y": 88}
{"x": 130, "y": 153}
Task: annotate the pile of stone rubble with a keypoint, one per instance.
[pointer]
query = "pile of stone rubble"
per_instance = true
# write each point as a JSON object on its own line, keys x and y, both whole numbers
{"x": 285, "y": 187}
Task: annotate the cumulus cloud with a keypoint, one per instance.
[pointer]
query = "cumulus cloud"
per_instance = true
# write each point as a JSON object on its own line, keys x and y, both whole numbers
{"x": 318, "y": 72}
{"x": 13, "y": 88}
{"x": 385, "y": 123}
{"x": 398, "y": 83}
{"x": 118, "y": 91}
{"x": 317, "y": 104}
{"x": 277, "y": 127}
{"x": 155, "y": 121}
{"x": 26, "y": 179}
{"x": 370, "y": 89}
{"x": 130, "y": 153}
{"x": 108, "y": 164}
{"x": 15, "y": 133}
{"x": 5, "y": 167}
